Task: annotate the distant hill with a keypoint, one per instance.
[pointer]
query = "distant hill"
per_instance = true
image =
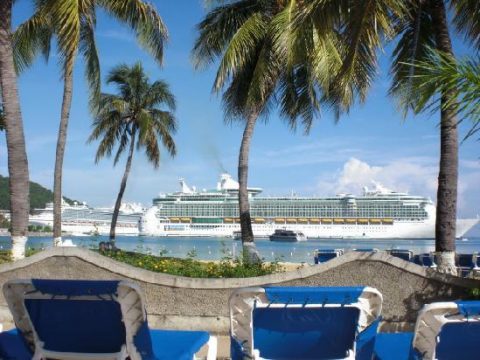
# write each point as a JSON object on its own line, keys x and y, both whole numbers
{"x": 39, "y": 195}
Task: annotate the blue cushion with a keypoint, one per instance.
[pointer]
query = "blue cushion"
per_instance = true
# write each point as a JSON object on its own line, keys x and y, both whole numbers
{"x": 393, "y": 346}
{"x": 87, "y": 326}
{"x": 178, "y": 345}
{"x": 12, "y": 346}
{"x": 459, "y": 341}
{"x": 76, "y": 287}
{"x": 366, "y": 341}
{"x": 304, "y": 333}
{"x": 469, "y": 308}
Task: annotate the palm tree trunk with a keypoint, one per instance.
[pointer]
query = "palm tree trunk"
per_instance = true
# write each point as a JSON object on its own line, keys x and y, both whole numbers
{"x": 250, "y": 252}
{"x": 446, "y": 218}
{"x": 123, "y": 185}
{"x": 17, "y": 156}
{"x": 60, "y": 152}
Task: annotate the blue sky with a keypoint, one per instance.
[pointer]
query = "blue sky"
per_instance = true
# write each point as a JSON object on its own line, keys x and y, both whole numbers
{"x": 373, "y": 143}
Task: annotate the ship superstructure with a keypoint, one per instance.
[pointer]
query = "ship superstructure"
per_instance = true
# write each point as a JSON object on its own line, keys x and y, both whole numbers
{"x": 377, "y": 213}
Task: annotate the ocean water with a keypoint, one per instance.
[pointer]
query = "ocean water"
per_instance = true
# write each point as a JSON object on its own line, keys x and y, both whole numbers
{"x": 216, "y": 248}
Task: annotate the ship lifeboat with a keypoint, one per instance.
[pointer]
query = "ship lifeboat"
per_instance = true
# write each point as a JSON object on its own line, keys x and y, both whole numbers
{"x": 237, "y": 220}
{"x": 314, "y": 221}
{"x": 228, "y": 220}
{"x": 362, "y": 221}
{"x": 174, "y": 219}
{"x": 302, "y": 221}
{"x": 351, "y": 221}
{"x": 387, "y": 221}
{"x": 338, "y": 221}
{"x": 375, "y": 221}
{"x": 291, "y": 221}
{"x": 185, "y": 220}
{"x": 280, "y": 220}
{"x": 327, "y": 221}
{"x": 259, "y": 221}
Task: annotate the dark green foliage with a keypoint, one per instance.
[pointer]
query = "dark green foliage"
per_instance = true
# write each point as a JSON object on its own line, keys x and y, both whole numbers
{"x": 2, "y": 118}
{"x": 474, "y": 294}
{"x": 39, "y": 196}
{"x": 6, "y": 257}
{"x": 228, "y": 267}
{"x": 4, "y": 223}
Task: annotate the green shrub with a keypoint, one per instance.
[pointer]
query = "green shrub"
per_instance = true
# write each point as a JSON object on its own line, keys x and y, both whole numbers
{"x": 474, "y": 294}
{"x": 227, "y": 267}
{"x": 6, "y": 255}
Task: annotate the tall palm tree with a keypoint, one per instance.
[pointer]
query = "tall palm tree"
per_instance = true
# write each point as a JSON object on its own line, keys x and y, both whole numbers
{"x": 17, "y": 155}
{"x": 134, "y": 117}
{"x": 254, "y": 75}
{"x": 363, "y": 26}
{"x": 72, "y": 23}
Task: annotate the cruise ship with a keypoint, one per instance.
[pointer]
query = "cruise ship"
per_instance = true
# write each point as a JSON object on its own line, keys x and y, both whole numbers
{"x": 378, "y": 213}
{"x": 80, "y": 219}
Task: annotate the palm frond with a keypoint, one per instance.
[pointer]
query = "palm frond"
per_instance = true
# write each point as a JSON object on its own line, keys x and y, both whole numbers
{"x": 416, "y": 40}
{"x": 122, "y": 145}
{"x": 66, "y": 20}
{"x": 159, "y": 94}
{"x": 142, "y": 17}
{"x": 467, "y": 19}
{"x": 240, "y": 49}
{"x": 33, "y": 37}
{"x": 217, "y": 29}
{"x": 441, "y": 73}
{"x": 88, "y": 49}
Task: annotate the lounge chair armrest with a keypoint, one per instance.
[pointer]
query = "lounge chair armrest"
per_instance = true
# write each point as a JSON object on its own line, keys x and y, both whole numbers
{"x": 212, "y": 348}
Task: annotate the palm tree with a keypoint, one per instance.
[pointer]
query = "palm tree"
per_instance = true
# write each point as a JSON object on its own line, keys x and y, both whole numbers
{"x": 17, "y": 155}
{"x": 362, "y": 28}
{"x": 254, "y": 75}
{"x": 133, "y": 118}
{"x": 73, "y": 23}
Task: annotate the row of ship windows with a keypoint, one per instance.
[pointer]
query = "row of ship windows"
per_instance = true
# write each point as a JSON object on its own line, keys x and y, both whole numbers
{"x": 293, "y": 213}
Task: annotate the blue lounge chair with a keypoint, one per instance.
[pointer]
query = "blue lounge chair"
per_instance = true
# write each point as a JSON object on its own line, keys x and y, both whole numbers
{"x": 426, "y": 260}
{"x": 373, "y": 250}
{"x": 443, "y": 331}
{"x": 465, "y": 264}
{"x": 304, "y": 322}
{"x": 322, "y": 256}
{"x": 79, "y": 319}
{"x": 406, "y": 255}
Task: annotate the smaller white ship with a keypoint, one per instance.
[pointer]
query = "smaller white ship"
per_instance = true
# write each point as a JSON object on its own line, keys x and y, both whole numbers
{"x": 81, "y": 220}
{"x": 284, "y": 235}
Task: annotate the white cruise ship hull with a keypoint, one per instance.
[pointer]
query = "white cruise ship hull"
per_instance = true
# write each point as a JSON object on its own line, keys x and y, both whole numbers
{"x": 397, "y": 230}
{"x": 91, "y": 228}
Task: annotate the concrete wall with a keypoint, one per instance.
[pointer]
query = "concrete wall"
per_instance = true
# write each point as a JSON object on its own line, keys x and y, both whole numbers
{"x": 186, "y": 303}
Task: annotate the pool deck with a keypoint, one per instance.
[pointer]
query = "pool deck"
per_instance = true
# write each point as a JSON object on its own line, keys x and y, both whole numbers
{"x": 175, "y": 302}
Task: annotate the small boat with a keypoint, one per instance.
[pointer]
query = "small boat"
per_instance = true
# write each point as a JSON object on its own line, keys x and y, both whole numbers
{"x": 237, "y": 235}
{"x": 287, "y": 236}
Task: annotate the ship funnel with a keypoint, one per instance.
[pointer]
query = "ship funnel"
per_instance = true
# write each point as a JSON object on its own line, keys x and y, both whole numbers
{"x": 184, "y": 186}
{"x": 227, "y": 183}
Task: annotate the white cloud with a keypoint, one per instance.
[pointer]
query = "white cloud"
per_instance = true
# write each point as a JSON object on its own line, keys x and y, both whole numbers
{"x": 413, "y": 175}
